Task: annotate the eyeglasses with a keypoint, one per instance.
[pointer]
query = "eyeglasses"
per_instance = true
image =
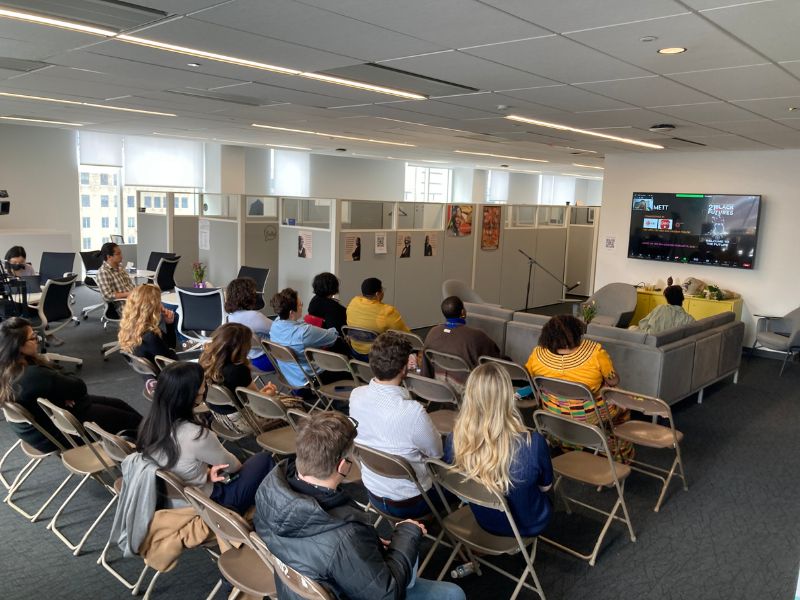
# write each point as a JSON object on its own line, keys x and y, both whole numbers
{"x": 33, "y": 338}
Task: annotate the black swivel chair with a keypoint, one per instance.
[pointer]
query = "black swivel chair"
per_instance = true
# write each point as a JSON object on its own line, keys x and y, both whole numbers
{"x": 260, "y": 276}
{"x": 55, "y": 265}
{"x": 53, "y": 307}
{"x": 155, "y": 258}
{"x": 91, "y": 262}
{"x": 165, "y": 273}
{"x": 200, "y": 312}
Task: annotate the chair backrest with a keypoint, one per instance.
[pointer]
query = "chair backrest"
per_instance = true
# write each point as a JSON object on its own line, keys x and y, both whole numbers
{"x": 571, "y": 431}
{"x": 449, "y": 363}
{"x": 358, "y": 334}
{"x": 518, "y": 373}
{"x": 257, "y": 274}
{"x": 219, "y": 395}
{"x": 561, "y": 390}
{"x": 92, "y": 261}
{"x": 172, "y": 486}
{"x": 470, "y": 490}
{"x": 72, "y": 429}
{"x": 54, "y": 304}
{"x": 226, "y": 524}
{"x": 155, "y": 258}
{"x": 55, "y": 264}
{"x": 141, "y": 365}
{"x": 299, "y": 584}
{"x": 163, "y": 361}
{"x": 647, "y": 405}
{"x": 165, "y": 273}
{"x": 200, "y": 309}
{"x": 16, "y": 413}
{"x": 454, "y": 287}
{"x": 116, "y": 448}
{"x": 116, "y": 238}
{"x": 412, "y": 338}
{"x": 386, "y": 464}
{"x": 361, "y": 370}
{"x": 315, "y": 321}
{"x": 261, "y": 404}
{"x": 325, "y": 360}
{"x": 279, "y": 354}
{"x": 616, "y": 300}
{"x": 432, "y": 390}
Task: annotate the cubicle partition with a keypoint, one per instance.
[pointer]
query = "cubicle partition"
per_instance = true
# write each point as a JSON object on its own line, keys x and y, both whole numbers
{"x": 581, "y": 242}
{"x": 152, "y": 231}
{"x": 185, "y": 245}
{"x": 219, "y": 249}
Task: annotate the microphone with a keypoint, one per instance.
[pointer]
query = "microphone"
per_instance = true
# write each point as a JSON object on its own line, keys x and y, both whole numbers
{"x": 572, "y": 287}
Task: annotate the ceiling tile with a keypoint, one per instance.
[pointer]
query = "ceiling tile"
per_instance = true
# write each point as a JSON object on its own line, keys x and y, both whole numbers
{"x": 559, "y": 59}
{"x": 57, "y": 82}
{"x": 567, "y": 98}
{"x": 647, "y": 91}
{"x": 742, "y": 83}
{"x": 732, "y": 142}
{"x": 440, "y": 109}
{"x": 453, "y": 23}
{"x": 490, "y": 101}
{"x": 705, "y": 112}
{"x": 708, "y": 48}
{"x": 772, "y": 108}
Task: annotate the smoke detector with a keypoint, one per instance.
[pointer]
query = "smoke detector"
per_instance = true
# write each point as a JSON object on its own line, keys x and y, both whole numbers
{"x": 662, "y": 128}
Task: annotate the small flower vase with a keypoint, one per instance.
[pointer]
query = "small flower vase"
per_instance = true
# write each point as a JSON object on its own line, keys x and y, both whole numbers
{"x": 199, "y": 284}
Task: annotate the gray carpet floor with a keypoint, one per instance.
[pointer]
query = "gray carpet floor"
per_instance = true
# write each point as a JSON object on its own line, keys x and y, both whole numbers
{"x": 733, "y": 535}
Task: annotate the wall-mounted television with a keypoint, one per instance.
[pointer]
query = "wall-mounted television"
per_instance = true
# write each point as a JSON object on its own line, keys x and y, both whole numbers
{"x": 718, "y": 230}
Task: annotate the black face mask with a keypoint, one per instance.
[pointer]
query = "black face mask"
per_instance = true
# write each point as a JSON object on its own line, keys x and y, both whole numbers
{"x": 15, "y": 267}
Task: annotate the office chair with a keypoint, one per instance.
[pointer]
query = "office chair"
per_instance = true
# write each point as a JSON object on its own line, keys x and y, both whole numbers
{"x": 200, "y": 312}
{"x": 91, "y": 262}
{"x": 165, "y": 273}
{"x": 54, "y": 306}
{"x": 155, "y": 257}
{"x": 260, "y": 276}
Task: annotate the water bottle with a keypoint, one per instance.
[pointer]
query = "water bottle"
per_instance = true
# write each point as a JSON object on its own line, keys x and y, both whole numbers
{"x": 463, "y": 570}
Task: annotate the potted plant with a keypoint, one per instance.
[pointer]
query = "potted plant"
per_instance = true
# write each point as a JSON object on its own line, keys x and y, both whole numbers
{"x": 199, "y": 274}
{"x": 589, "y": 310}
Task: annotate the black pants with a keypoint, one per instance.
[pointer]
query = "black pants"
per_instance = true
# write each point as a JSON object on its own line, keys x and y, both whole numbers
{"x": 112, "y": 414}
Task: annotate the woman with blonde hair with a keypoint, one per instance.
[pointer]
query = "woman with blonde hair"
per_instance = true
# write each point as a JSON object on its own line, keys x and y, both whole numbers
{"x": 140, "y": 331}
{"x": 491, "y": 444}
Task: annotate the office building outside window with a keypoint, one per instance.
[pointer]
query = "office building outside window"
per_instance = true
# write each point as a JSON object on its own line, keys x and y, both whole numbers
{"x": 86, "y": 201}
{"x": 84, "y": 178}
{"x": 86, "y": 223}
{"x": 97, "y": 207}
{"x": 87, "y": 243}
{"x": 428, "y": 184}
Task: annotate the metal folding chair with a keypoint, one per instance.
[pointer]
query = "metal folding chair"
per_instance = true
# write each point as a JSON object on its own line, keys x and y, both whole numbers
{"x": 361, "y": 371}
{"x": 449, "y": 367}
{"x": 280, "y": 355}
{"x": 221, "y": 397}
{"x": 412, "y": 338}
{"x": 520, "y": 378}
{"x": 359, "y": 335}
{"x": 281, "y": 441}
{"x": 299, "y": 584}
{"x": 325, "y": 360}
{"x": 434, "y": 390}
{"x": 595, "y": 470}
{"x": 143, "y": 367}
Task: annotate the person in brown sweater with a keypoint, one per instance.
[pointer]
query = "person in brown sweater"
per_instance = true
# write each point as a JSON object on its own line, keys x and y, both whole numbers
{"x": 455, "y": 337}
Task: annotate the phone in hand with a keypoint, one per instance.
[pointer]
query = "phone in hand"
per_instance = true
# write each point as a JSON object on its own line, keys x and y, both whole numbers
{"x": 228, "y": 477}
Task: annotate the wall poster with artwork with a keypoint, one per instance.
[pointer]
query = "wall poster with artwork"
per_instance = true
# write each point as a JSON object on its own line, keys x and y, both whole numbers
{"x": 431, "y": 245}
{"x": 403, "y": 245}
{"x": 490, "y": 234}
{"x": 304, "y": 244}
{"x": 459, "y": 220}
{"x": 352, "y": 247}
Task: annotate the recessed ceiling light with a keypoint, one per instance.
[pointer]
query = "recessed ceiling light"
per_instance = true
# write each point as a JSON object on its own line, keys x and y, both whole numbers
{"x": 47, "y": 121}
{"x": 672, "y": 50}
{"x": 91, "y": 104}
{"x": 193, "y": 65}
{"x": 791, "y": 108}
{"x": 333, "y": 135}
{"x": 500, "y": 156}
{"x": 60, "y": 23}
{"x": 588, "y": 166}
{"x": 583, "y": 131}
{"x": 648, "y": 38}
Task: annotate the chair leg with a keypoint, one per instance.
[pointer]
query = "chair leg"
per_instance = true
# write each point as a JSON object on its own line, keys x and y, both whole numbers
{"x": 450, "y": 560}
{"x": 20, "y": 479}
{"x": 103, "y": 560}
{"x": 785, "y": 359}
{"x": 52, "y": 525}
{"x": 6, "y": 454}
{"x": 215, "y": 589}
{"x": 64, "y": 358}
{"x": 148, "y": 592}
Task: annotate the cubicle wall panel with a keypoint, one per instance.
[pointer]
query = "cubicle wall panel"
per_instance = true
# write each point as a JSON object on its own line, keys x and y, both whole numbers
{"x": 488, "y": 262}
{"x": 351, "y": 273}
{"x": 222, "y": 256}
{"x": 418, "y": 283}
{"x": 261, "y": 250}
{"x": 457, "y": 255}
{"x": 551, "y": 246}
{"x": 514, "y": 271}
{"x": 296, "y": 272}
{"x": 151, "y": 231}
{"x": 185, "y": 245}
{"x": 580, "y": 251}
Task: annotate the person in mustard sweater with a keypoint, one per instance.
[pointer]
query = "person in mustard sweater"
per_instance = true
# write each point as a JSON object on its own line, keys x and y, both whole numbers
{"x": 368, "y": 311}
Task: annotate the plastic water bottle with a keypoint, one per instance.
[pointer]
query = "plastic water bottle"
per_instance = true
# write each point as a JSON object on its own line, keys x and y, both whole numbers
{"x": 463, "y": 570}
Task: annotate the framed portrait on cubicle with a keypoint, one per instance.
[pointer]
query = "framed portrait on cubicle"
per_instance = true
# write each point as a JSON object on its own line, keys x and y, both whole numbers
{"x": 352, "y": 247}
{"x": 403, "y": 245}
{"x": 304, "y": 244}
{"x": 431, "y": 244}
{"x": 490, "y": 232}
{"x": 459, "y": 220}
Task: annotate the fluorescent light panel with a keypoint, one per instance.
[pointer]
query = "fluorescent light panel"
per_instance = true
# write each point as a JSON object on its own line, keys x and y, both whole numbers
{"x": 588, "y": 166}
{"x": 60, "y": 23}
{"x": 332, "y": 135}
{"x": 90, "y": 104}
{"x": 583, "y": 131}
{"x": 47, "y": 121}
{"x": 501, "y": 156}
{"x": 580, "y": 176}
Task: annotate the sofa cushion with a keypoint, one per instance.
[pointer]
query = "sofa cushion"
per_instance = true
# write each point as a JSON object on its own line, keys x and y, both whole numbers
{"x": 616, "y": 333}
{"x": 662, "y": 338}
{"x": 490, "y": 310}
{"x": 531, "y": 318}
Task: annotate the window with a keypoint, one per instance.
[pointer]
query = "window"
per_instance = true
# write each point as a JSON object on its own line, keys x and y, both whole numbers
{"x": 104, "y": 222}
{"x": 97, "y": 206}
{"x": 104, "y": 178}
{"x": 131, "y": 223}
{"x": 116, "y": 223}
{"x": 157, "y": 202}
{"x": 104, "y": 201}
{"x": 84, "y": 178}
{"x": 87, "y": 243}
{"x": 116, "y": 203}
{"x": 85, "y": 201}
{"x": 184, "y": 202}
{"x": 86, "y": 222}
{"x": 428, "y": 184}
{"x": 114, "y": 180}
{"x": 131, "y": 201}
{"x": 148, "y": 202}
{"x": 131, "y": 239}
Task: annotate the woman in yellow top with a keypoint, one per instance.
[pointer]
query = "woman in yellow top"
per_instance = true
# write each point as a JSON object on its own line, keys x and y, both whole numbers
{"x": 562, "y": 353}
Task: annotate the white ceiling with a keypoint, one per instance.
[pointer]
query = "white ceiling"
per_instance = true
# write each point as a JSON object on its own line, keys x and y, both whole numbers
{"x": 577, "y": 62}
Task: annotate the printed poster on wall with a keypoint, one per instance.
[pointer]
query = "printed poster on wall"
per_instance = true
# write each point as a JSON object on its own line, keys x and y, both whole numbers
{"x": 431, "y": 245}
{"x": 204, "y": 234}
{"x": 352, "y": 247}
{"x": 490, "y": 234}
{"x": 380, "y": 243}
{"x": 304, "y": 244}
{"x": 403, "y": 245}
{"x": 459, "y": 220}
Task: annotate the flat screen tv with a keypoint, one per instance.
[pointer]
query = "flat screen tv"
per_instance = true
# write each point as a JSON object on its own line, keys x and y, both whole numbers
{"x": 718, "y": 230}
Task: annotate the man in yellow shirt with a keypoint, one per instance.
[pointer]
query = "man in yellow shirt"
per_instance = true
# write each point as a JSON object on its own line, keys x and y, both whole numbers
{"x": 369, "y": 312}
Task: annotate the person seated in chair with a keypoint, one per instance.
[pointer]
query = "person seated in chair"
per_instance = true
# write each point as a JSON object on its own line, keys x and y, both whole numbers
{"x": 457, "y": 338}
{"x": 666, "y": 316}
{"x": 17, "y": 264}
{"x": 368, "y": 311}
{"x": 140, "y": 331}
{"x": 241, "y": 299}
{"x": 392, "y": 421}
{"x": 112, "y": 279}
{"x": 310, "y": 524}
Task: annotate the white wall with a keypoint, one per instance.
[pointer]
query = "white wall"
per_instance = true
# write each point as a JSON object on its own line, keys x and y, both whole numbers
{"x": 356, "y": 178}
{"x": 39, "y": 168}
{"x": 523, "y": 188}
{"x": 773, "y": 286}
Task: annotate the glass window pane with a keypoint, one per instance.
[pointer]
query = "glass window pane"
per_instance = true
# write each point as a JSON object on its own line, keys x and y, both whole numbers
{"x": 99, "y": 203}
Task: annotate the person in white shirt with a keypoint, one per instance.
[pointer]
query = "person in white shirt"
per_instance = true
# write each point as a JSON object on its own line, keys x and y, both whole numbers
{"x": 391, "y": 421}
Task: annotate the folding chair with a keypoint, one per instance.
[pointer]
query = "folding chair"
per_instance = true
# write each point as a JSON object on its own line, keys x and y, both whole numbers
{"x": 279, "y": 355}
{"x": 299, "y": 584}
{"x": 165, "y": 273}
{"x": 87, "y": 459}
{"x": 163, "y": 361}
{"x": 260, "y": 276}
{"x": 359, "y": 335}
{"x": 53, "y": 306}
{"x": 562, "y": 394}
{"x": 143, "y": 367}
{"x": 112, "y": 313}
{"x": 396, "y": 467}
{"x": 361, "y": 371}
{"x": 449, "y": 367}
{"x": 325, "y": 360}
{"x": 221, "y": 397}
{"x": 594, "y": 470}
{"x": 281, "y": 441}
{"x": 462, "y": 526}
{"x": 200, "y": 312}
{"x": 519, "y": 377}
{"x": 649, "y": 434}
{"x": 434, "y": 390}
{"x": 16, "y": 413}
{"x": 412, "y": 338}
{"x": 91, "y": 262}
{"x": 240, "y": 565}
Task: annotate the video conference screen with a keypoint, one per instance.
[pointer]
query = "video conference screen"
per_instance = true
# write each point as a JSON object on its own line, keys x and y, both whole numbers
{"x": 717, "y": 230}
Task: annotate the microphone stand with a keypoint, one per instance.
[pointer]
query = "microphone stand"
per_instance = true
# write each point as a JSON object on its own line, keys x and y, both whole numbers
{"x": 532, "y": 261}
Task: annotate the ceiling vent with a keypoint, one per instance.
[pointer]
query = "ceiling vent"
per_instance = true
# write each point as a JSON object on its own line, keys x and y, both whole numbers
{"x": 20, "y": 65}
{"x": 400, "y": 80}
{"x": 662, "y": 128}
{"x": 111, "y": 14}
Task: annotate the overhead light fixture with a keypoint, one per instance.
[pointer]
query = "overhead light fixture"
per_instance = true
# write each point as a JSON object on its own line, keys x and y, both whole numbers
{"x": 792, "y": 108}
{"x": 672, "y": 50}
{"x": 579, "y": 176}
{"x": 333, "y": 135}
{"x": 90, "y": 104}
{"x": 576, "y": 149}
{"x": 501, "y": 156}
{"x": 47, "y": 121}
{"x": 583, "y": 131}
{"x": 60, "y": 23}
{"x": 194, "y": 65}
{"x": 362, "y": 86}
{"x": 588, "y": 166}
{"x": 262, "y": 144}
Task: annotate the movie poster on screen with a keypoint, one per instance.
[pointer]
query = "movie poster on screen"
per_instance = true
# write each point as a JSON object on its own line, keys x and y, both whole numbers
{"x": 380, "y": 243}
{"x": 490, "y": 234}
{"x": 304, "y": 244}
{"x": 352, "y": 247}
{"x": 403, "y": 245}
{"x": 431, "y": 245}
{"x": 459, "y": 220}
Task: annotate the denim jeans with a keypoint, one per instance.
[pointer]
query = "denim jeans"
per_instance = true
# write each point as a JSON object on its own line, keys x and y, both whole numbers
{"x": 239, "y": 495}
{"x": 412, "y": 511}
{"x": 426, "y": 589}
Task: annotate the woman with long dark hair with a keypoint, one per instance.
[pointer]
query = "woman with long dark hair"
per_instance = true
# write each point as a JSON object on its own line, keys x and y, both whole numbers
{"x": 241, "y": 299}
{"x": 172, "y": 437}
{"x": 25, "y": 376}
